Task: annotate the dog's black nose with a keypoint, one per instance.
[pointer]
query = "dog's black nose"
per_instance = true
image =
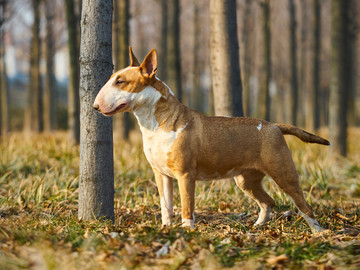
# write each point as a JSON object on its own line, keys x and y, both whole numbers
{"x": 96, "y": 106}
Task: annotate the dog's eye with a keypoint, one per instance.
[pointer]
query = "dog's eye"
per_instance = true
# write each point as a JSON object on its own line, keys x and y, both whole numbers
{"x": 119, "y": 82}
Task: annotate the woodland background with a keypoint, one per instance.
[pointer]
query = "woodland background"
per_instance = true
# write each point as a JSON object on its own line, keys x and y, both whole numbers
{"x": 299, "y": 64}
{"x": 284, "y": 50}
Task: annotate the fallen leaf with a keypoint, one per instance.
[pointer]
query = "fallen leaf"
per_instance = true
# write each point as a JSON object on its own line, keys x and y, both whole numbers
{"x": 342, "y": 217}
{"x": 276, "y": 259}
{"x": 164, "y": 250}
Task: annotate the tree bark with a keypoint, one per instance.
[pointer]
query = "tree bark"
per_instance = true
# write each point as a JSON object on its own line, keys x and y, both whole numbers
{"x": 353, "y": 45}
{"x": 264, "y": 98}
{"x": 73, "y": 87}
{"x": 164, "y": 45}
{"x": 224, "y": 58}
{"x": 50, "y": 83}
{"x": 197, "y": 98}
{"x": 33, "y": 120}
{"x": 121, "y": 21}
{"x": 305, "y": 110}
{"x": 293, "y": 63}
{"x": 316, "y": 63}
{"x": 4, "y": 91}
{"x": 340, "y": 75}
{"x": 96, "y": 188}
{"x": 247, "y": 58}
{"x": 174, "y": 75}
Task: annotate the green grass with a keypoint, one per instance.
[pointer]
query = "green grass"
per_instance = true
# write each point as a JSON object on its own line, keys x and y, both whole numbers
{"x": 39, "y": 226}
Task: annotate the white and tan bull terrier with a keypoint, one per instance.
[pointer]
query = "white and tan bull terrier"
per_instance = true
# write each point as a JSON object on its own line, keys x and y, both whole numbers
{"x": 183, "y": 144}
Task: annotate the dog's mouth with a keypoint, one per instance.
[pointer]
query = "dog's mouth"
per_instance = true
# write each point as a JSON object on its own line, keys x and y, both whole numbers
{"x": 117, "y": 109}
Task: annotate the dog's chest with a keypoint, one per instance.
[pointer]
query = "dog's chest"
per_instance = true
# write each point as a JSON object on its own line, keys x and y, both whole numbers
{"x": 157, "y": 144}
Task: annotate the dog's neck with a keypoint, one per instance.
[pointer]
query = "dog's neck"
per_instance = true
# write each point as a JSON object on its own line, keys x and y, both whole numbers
{"x": 157, "y": 98}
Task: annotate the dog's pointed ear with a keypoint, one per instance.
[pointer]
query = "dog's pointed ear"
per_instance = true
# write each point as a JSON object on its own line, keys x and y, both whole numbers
{"x": 149, "y": 66}
{"x": 133, "y": 60}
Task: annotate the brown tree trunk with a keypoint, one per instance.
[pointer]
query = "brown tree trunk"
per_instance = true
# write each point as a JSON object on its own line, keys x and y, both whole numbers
{"x": 305, "y": 110}
{"x": 50, "y": 84}
{"x": 247, "y": 58}
{"x": 316, "y": 63}
{"x": 4, "y": 91}
{"x": 197, "y": 98}
{"x": 354, "y": 35}
{"x": 293, "y": 63}
{"x": 73, "y": 87}
{"x": 164, "y": 45}
{"x": 121, "y": 48}
{"x": 264, "y": 97}
{"x": 173, "y": 49}
{"x": 224, "y": 58}
{"x": 340, "y": 75}
{"x": 96, "y": 175}
{"x": 33, "y": 120}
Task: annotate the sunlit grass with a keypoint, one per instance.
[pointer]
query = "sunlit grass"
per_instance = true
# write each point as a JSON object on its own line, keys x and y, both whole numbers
{"x": 39, "y": 226}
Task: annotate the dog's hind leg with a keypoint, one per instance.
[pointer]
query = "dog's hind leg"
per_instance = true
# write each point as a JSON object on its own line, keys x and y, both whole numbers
{"x": 284, "y": 173}
{"x": 250, "y": 183}
{"x": 165, "y": 187}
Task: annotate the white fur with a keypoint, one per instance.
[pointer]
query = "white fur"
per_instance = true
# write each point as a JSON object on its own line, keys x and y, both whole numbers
{"x": 188, "y": 223}
{"x": 259, "y": 127}
{"x": 313, "y": 223}
{"x": 166, "y": 201}
{"x": 156, "y": 142}
{"x": 171, "y": 92}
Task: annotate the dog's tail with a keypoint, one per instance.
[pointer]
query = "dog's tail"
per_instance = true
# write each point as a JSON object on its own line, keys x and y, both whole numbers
{"x": 301, "y": 134}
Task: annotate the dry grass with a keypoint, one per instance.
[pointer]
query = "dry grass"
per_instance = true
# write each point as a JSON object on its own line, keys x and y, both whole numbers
{"x": 39, "y": 227}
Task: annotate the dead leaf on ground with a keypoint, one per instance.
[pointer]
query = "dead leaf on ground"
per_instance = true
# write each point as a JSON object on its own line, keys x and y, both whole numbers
{"x": 276, "y": 259}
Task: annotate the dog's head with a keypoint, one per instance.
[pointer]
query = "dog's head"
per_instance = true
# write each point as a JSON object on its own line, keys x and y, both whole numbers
{"x": 129, "y": 87}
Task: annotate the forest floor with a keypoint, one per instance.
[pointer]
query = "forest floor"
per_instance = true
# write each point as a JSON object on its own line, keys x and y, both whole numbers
{"x": 39, "y": 228}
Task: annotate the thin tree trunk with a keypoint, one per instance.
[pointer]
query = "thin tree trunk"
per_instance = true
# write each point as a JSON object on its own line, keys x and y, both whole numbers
{"x": 73, "y": 87}
{"x": 305, "y": 110}
{"x": 197, "y": 99}
{"x": 50, "y": 84}
{"x": 173, "y": 49}
{"x": 96, "y": 176}
{"x": 353, "y": 43}
{"x": 264, "y": 98}
{"x": 340, "y": 75}
{"x": 247, "y": 58}
{"x": 4, "y": 94}
{"x": 293, "y": 63}
{"x": 224, "y": 58}
{"x": 121, "y": 21}
{"x": 316, "y": 63}
{"x": 164, "y": 45}
{"x": 33, "y": 120}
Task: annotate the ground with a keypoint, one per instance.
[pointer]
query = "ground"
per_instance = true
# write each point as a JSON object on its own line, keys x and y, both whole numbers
{"x": 39, "y": 228}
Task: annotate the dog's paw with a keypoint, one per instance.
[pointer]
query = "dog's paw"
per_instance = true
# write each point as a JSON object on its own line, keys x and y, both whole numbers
{"x": 188, "y": 223}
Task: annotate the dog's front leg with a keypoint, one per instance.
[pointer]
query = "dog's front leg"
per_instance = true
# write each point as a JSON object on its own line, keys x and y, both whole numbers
{"x": 187, "y": 194}
{"x": 165, "y": 187}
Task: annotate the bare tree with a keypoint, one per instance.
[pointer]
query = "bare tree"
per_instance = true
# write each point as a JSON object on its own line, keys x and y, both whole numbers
{"x": 316, "y": 63}
{"x": 293, "y": 63}
{"x": 303, "y": 74}
{"x": 33, "y": 120}
{"x": 121, "y": 51}
{"x": 246, "y": 33}
{"x": 96, "y": 176}
{"x": 4, "y": 94}
{"x": 164, "y": 45}
{"x": 264, "y": 98}
{"x": 340, "y": 75}
{"x": 196, "y": 92}
{"x": 50, "y": 84}
{"x": 73, "y": 87}
{"x": 173, "y": 74}
{"x": 224, "y": 57}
